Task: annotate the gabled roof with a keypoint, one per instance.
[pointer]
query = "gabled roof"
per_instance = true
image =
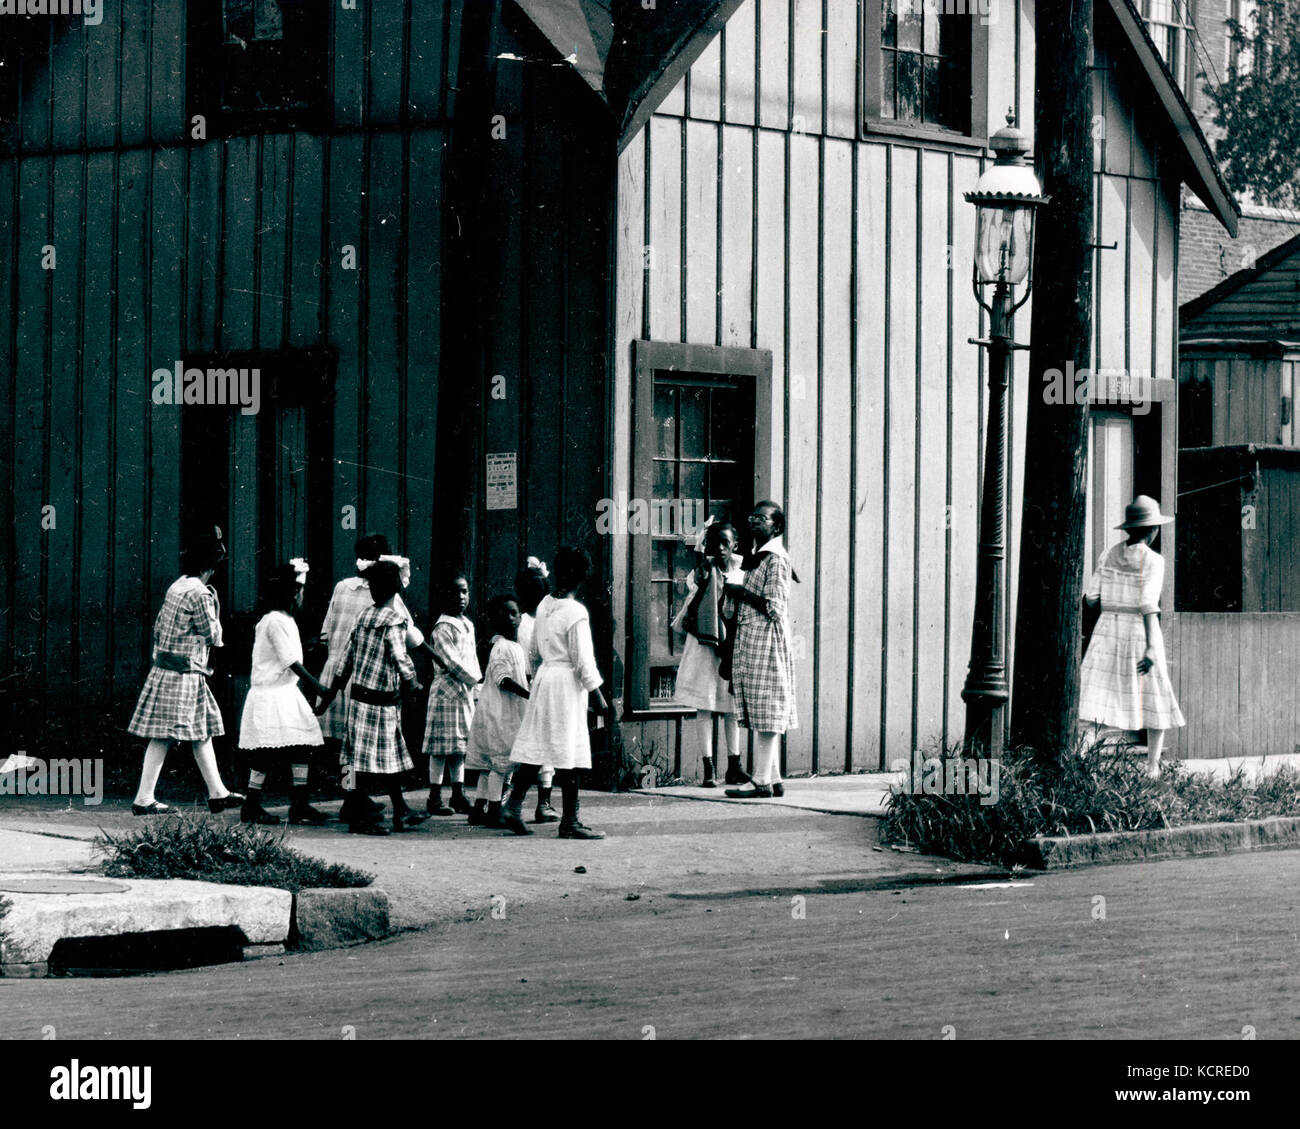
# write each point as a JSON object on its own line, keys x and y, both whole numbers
{"x": 1200, "y": 169}
{"x": 631, "y": 56}
{"x": 1259, "y": 303}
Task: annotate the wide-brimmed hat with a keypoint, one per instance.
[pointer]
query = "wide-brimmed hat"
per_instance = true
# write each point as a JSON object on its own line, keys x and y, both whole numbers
{"x": 1143, "y": 513}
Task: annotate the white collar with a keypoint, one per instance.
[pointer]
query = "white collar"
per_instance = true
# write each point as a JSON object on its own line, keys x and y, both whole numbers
{"x": 775, "y": 547}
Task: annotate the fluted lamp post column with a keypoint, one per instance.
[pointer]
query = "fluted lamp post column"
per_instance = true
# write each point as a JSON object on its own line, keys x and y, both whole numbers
{"x": 1007, "y": 197}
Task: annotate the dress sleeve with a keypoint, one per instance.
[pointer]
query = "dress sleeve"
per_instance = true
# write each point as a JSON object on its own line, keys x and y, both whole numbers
{"x": 776, "y": 587}
{"x": 583, "y": 654}
{"x": 206, "y": 619}
{"x": 1093, "y": 588}
{"x": 397, "y": 648}
{"x": 344, "y": 669}
{"x": 444, "y": 646}
{"x": 1153, "y": 580}
{"x": 283, "y": 637}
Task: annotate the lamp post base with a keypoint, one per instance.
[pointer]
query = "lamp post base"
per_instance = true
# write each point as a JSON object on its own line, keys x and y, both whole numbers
{"x": 986, "y": 726}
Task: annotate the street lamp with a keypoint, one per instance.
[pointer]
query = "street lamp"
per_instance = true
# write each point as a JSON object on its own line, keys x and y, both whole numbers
{"x": 1007, "y": 197}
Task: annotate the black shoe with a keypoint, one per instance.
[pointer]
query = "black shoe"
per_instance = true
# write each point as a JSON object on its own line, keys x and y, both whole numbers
{"x": 710, "y": 783}
{"x": 254, "y": 813}
{"x": 778, "y": 789}
{"x": 304, "y": 814}
{"x": 754, "y": 792}
{"x": 735, "y": 774}
{"x": 577, "y": 830}
{"x": 154, "y": 808}
{"x": 478, "y": 814}
{"x": 412, "y": 818}
{"x": 511, "y": 821}
{"x": 545, "y": 814}
{"x": 222, "y": 803}
{"x": 460, "y": 805}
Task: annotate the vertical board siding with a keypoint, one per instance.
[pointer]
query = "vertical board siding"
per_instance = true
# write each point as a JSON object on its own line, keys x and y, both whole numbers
{"x": 166, "y": 249}
{"x": 861, "y": 262}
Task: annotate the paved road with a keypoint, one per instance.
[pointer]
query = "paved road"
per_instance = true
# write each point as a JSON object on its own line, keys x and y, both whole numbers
{"x": 1186, "y": 949}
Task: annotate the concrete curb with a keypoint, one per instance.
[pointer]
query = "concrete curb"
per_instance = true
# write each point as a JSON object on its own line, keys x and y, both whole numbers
{"x": 1058, "y": 853}
{"x": 270, "y": 921}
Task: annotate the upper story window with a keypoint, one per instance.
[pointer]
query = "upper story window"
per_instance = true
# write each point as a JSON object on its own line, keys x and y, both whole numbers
{"x": 1241, "y": 58}
{"x": 923, "y": 68}
{"x": 1171, "y": 26}
{"x": 257, "y": 65}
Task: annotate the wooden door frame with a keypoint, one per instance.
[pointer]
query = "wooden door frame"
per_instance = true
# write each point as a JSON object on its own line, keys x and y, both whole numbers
{"x": 648, "y": 358}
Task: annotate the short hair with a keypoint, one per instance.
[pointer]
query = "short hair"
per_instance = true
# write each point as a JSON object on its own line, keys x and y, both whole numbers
{"x": 532, "y": 586}
{"x": 572, "y": 567}
{"x": 204, "y": 549}
{"x": 496, "y": 609}
{"x": 778, "y": 514}
{"x": 279, "y": 586}
{"x": 385, "y": 581}
{"x": 713, "y": 537}
{"x": 372, "y": 547}
{"x": 448, "y": 587}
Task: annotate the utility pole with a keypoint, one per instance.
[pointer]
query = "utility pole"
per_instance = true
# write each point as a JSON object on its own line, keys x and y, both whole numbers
{"x": 1045, "y": 694}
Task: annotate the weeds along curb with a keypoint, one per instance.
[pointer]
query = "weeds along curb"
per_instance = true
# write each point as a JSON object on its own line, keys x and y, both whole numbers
{"x": 326, "y": 918}
{"x": 1062, "y": 852}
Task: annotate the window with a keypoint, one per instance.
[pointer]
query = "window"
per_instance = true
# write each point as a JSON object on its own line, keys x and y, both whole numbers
{"x": 923, "y": 76}
{"x": 1171, "y": 26}
{"x": 1240, "y": 60}
{"x": 698, "y": 428}
{"x": 256, "y": 65}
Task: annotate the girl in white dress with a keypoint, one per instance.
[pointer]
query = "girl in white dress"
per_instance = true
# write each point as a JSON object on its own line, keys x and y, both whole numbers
{"x": 532, "y": 585}
{"x": 1125, "y": 682}
{"x": 500, "y": 712}
{"x": 554, "y": 729}
{"x": 703, "y": 617}
{"x": 278, "y": 723}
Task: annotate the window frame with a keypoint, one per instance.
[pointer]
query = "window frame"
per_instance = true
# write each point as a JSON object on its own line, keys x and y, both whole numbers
{"x": 648, "y": 358}
{"x": 875, "y": 125}
{"x": 1184, "y": 13}
{"x": 206, "y": 70}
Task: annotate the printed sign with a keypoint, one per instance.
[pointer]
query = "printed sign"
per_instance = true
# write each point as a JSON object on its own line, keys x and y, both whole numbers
{"x": 502, "y": 481}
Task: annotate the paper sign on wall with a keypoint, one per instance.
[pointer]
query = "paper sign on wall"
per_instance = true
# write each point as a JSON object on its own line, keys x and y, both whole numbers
{"x": 502, "y": 481}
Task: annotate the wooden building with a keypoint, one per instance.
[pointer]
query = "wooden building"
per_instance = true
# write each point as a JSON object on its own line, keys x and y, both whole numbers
{"x": 690, "y": 256}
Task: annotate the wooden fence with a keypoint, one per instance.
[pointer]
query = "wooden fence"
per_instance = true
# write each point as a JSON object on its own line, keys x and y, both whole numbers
{"x": 1237, "y": 679}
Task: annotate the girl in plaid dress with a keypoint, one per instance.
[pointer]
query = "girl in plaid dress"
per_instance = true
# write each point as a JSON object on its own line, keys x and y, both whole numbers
{"x": 377, "y": 664}
{"x": 351, "y": 597}
{"x": 1125, "y": 682}
{"x": 451, "y": 700}
{"x": 762, "y": 674}
{"x": 176, "y": 703}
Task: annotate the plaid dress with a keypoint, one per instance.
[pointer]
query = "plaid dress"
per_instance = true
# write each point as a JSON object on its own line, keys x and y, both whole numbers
{"x": 174, "y": 705}
{"x": 376, "y": 658}
{"x": 1112, "y": 692}
{"x": 451, "y": 697}
{"x": 351, "y": 597}
{"x": 762, "y": 674}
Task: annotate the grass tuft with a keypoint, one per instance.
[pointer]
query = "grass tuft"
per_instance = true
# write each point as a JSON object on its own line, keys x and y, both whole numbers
{"x": 1104, "y": 789}
{"x": 211, "y": 850}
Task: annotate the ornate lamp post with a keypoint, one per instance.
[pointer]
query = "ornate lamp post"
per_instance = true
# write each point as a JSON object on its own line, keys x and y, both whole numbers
{"x": 1007, "y": 198}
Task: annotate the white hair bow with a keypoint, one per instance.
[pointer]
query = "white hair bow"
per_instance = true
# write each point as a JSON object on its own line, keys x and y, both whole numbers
{"x": 301, "y": 568}
{"x": 539, "y": 565}
{"x": 403, "y": 567}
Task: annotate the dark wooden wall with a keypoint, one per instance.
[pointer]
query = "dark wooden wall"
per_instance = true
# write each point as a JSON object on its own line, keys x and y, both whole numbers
{"x": 168, "y": 246}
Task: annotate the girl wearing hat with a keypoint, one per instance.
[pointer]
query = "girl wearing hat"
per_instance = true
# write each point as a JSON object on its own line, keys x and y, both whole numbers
{"x": 700, "y": 684}
{"x": 278, "y": 723}
{"x": 1125, "y": 680}
{"x": 176, "y": 703}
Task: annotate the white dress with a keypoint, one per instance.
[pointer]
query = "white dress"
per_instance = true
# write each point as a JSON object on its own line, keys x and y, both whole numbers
{"x": 699, "y": 685}
{"x": 554, "y": 730}
{"x": 1112, "y": 692}
{"x": 276, "y": 714}
{"x": 500, "y": 713}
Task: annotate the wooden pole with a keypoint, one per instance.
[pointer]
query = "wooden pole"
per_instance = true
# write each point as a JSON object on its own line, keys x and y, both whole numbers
{"x": 1045, "y": 698}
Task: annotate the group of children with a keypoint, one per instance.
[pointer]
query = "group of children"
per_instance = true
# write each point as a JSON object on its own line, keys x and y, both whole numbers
{"x": 524, "y": 723}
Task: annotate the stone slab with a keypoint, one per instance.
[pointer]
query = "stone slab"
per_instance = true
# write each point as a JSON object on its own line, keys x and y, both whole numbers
{"x": 1055, "y": 853}
{"x": 257, "y": 952}
{"x": 35, "y": 922}
{"x": 330, "y": 919}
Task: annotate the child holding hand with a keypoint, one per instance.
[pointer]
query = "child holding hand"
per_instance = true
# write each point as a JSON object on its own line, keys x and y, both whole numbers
{"x": 500, "y": 711}
{"x": 451, "y": 699}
